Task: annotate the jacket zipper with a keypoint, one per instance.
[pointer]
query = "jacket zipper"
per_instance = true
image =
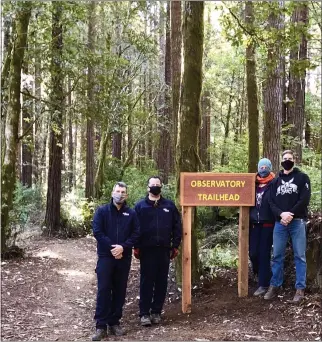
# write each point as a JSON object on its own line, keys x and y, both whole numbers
{"x": 157, "y": 224}
{"x": 117, "y": 228}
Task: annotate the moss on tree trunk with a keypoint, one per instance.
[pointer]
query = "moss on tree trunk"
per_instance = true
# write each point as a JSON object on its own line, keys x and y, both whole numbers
{"x": 12, "y": 119}
{"x": 187, "y": 159}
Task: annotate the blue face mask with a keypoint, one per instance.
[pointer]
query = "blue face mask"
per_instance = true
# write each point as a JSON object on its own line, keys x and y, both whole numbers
{"x": 263, "y": 173}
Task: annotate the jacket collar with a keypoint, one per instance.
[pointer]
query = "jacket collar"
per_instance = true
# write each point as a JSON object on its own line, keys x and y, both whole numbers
{"x": 124, "y": 207}
{"x": 152, "y": 203}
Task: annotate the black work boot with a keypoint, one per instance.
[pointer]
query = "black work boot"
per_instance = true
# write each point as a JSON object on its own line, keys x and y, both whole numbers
{"x": 116, "y": 330}
{"x": 271, "y": 293}
{"x": 99, "y": 335}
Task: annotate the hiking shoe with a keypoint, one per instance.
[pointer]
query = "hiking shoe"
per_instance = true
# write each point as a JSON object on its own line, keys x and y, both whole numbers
{"x": 299, "y": 295}
{"x": 116, "y": 330}
{"x": 260, "y": 291}
{"x": 145, "y": 321}
{"x": 100, "y": 334}
{"x": 271, "y": 293}
{"x": 155, "y": 319}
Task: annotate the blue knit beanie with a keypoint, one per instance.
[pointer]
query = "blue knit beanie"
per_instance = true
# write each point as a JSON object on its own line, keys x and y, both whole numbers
{"x": 266, "y": 162}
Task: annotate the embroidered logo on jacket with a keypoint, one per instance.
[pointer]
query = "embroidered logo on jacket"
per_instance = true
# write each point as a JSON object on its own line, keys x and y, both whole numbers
{"x": 126, "y": 214}
{"x": 166, "y": 210}
{"x": 286, "y": 187}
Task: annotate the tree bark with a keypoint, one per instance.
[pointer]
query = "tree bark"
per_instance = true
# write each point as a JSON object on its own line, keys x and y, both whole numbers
{"x": 27, "y": 141}
{"x": 12, "y": 119}
{"x": 163, "y": 158}
{"x": 39, "y": 134}
{"x": 99, "y": 176}
{"x": 176, "y": 50}
{"x": 224, "y": 155}
{"x": 296, "y": 88}
{"x": 187, "y": 159}
{"x": 204, "y": 134}
{"x": 71, "y": 173}
{"x": 52, "y": 219}
{"x": 273, "y": 91}
{"x": 89, "y": 182}
{"x": 252, "y": 99}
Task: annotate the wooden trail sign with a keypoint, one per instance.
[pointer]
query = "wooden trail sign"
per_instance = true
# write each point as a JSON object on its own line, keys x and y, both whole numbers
{"x": 216, "y": 189}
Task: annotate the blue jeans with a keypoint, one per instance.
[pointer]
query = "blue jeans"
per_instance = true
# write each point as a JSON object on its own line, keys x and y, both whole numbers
{"x": 297, "y": 231}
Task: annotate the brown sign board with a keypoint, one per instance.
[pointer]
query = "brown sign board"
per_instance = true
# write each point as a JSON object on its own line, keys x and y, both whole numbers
{"x": 217, "y": 189}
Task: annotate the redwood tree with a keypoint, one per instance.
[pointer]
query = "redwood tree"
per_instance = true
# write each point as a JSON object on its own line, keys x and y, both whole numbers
{"x": 296, "y": 88}
{"x": 52, "y": 219}
{"x": 273, "y": 89}
{"x": 8, "y": 180}
{"x": 252, "y": 98}
{"x": 187, "y": 158}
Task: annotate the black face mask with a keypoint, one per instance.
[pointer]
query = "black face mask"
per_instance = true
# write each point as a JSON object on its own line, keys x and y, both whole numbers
{"x": 287, "y": 164}
{"x": 155, "y": 190}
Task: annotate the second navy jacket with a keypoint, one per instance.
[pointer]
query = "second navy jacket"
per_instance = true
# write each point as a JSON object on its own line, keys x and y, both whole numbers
{"x": 160, "y": 223}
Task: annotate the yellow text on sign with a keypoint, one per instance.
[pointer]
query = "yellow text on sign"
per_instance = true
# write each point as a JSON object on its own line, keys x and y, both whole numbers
{"x": 217, "y": 184}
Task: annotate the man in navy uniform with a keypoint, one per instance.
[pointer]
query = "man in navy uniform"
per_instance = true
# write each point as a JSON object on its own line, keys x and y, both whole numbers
{"x": 160, "y": 237}
{"x": 116, "y": 229}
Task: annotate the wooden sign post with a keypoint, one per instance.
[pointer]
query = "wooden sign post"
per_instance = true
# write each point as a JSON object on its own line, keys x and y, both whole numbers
{"x": 216, "y": 189}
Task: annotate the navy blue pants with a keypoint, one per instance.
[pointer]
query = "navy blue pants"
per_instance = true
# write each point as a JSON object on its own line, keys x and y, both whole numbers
{"x": 112, "y": 276}
{"x": 260, "y": 247}
{"x": 154, "y": 271}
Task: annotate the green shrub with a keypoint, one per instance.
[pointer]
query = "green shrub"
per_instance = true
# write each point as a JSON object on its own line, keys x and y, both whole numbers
{"x": 27, "y": 204}
{"x": 316, "y": 187}
{"x": 219, "y": 256}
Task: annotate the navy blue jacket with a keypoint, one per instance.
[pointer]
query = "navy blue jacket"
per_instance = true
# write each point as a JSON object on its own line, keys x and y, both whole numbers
{"x": 263, "y": 213}
{"x": 291, "y": 192}
{"x": 115, "y": 227}
{"x": 159, "y": 225}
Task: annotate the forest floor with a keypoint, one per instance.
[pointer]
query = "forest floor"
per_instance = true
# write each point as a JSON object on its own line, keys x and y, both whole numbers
{"x": 50, "y": 296}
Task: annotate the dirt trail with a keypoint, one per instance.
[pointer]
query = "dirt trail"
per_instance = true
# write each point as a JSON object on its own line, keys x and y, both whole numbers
{"x": 50, "y": 296}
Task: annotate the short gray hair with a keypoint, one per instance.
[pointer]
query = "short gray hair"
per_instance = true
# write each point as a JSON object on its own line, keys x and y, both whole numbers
{"x": 120, "y": 184}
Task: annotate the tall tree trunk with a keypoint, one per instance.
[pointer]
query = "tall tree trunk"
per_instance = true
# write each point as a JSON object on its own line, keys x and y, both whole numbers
{"x": 252, "y": 99}
{"x": 89, "y": 182}
{"x": 176, "y": 50}
{"x": 163, "y": 161}
{"x": 273, "y": 92}
{"x": 27, "y": 142}
{"x": 117, "y": 145}
{"x": 296, "y": 88}
{"x": 39, "y": 134}
{"x": 7, "y": 44}
{"x": 52, "y": 219}
{"x": 12, "y": 119}
{"x": 224, "y": 155}
{"x": 71, "y": 173}
{"x": 242, "y": 124}
{"x": 99, "y": 176}
{"x": 189, "y": 120}
{"x": 204, "y": 134}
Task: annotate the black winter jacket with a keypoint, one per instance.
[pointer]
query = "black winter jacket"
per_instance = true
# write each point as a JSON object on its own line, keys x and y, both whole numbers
{"x": 263, "y": 213}
{"x": 159, "y": 225}
{"x": 291, "y": 193}
{"x": 115, "y": 227}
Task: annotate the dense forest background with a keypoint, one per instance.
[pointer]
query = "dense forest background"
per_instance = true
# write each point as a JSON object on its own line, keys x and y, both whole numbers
{"x": 97, "y": 92}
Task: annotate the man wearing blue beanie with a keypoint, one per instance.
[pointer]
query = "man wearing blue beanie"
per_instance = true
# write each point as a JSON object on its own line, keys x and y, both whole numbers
{"x": 261, "y": 227}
